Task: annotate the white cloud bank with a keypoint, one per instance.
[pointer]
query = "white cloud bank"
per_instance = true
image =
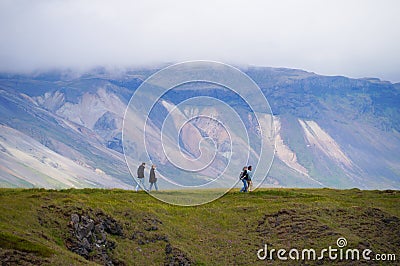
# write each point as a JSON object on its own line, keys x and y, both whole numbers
{"x": 352, "y": 38}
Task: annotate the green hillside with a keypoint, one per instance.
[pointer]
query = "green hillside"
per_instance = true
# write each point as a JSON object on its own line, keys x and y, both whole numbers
{"x": 116, "y": 227}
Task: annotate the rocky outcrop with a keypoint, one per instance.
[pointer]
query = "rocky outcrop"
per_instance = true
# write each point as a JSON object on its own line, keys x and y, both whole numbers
{"x": 88, "y": 237}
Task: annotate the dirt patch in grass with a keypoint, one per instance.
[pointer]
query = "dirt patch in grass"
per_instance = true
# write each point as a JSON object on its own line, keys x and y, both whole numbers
{"x": 16, "y": 257}
{"x": 13, "y": 242}
{"x": 289, "y": 225}
{"x": 364, "y": 228}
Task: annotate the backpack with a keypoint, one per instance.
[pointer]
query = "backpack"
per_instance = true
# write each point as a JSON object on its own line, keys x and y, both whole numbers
{"x": 243, "y": 175}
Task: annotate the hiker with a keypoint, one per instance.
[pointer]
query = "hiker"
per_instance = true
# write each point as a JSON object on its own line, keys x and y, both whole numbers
{"x": 243, "y": 177}
{"x": 140, "y": 176}
{"x": 249, "y": 177}
{"x": 153, "y": 178}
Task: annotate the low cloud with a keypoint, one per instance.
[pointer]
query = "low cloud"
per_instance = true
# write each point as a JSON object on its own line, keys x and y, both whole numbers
{"x": 352, "y": 38}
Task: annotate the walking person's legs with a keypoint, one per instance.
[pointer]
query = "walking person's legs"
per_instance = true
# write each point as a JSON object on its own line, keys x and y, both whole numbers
{"x": 141, "y": 182}
{"x": 249, "y": 185}
{"x": 151, "y": 185}
{"x": 244, "y": 188}
{"x": 156, "y": 186}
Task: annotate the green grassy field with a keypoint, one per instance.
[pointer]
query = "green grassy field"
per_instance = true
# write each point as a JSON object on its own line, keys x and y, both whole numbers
{"x": 36, "y": 227}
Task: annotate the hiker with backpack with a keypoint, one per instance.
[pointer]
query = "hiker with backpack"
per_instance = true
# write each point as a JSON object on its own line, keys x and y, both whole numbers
{"x": 244, "y": 178}
{"x": 140, "y": 176}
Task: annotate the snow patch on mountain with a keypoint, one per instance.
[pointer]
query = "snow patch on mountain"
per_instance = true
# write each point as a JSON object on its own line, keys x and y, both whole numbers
{"x": 29, "y": 161}
{"x": 284, "y": 152}
{"x": 320, "y": 139}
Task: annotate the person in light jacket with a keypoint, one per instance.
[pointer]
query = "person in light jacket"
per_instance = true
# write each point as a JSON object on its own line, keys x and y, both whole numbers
{"x": 249, "y": 177}
{"x": 153, "y": 178}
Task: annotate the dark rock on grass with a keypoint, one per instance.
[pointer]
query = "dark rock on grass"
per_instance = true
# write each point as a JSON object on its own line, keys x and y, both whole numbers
{"x": 152, "y": 221}
{"x": 138, "y": 235}
{"x": 151, "y": 228}
{"x": 143, "y": 238}
{"x": 84, "y": 228}
{"x": 175, "y": 256}
{"x": 141, "y": 242}
{"x": 88, "y": 237}
{"x": 145, "y": 232}
{"x": 161, "y": 238}
{"x": 75, "y": 218}
{"x": 168, "y": 249}
{"x": 100, "y": 234}
{"x": 117, "y": 262}
{"x": 111, "y": 226}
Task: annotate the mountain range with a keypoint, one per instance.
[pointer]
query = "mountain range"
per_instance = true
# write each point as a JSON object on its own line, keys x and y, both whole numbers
{"x": 60, "y": 129}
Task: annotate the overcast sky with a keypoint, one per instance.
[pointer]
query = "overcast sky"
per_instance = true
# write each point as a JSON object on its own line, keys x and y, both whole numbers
{"x": 351, "y": 38}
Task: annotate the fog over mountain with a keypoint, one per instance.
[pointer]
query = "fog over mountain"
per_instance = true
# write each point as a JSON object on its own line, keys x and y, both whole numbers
{"x": 58, "y": 129}
{"x": 351, "y": 38}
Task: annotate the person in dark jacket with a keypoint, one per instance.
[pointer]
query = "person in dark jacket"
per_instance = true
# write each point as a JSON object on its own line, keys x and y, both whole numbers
{"x": 140, "y": 176}
{"x": 244, "y": 177}
{"x": 153, "y": 178}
